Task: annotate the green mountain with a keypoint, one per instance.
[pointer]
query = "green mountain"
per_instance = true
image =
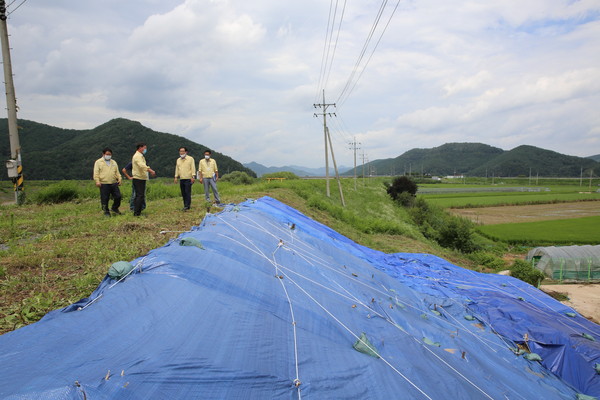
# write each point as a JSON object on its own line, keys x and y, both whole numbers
{"x": 477, "y": 159}
{"x": 55, "y": 153}
{"x": 447, "y": 159}
{"x": 595, "y": 158}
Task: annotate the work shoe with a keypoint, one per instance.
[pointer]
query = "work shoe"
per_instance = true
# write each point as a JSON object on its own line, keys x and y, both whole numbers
{"x": 106, "y": 214}
{"x": 117, "y": 212}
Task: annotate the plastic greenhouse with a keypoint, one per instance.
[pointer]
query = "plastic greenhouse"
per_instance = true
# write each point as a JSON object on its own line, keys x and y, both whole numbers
{"x": 580, "y": 263}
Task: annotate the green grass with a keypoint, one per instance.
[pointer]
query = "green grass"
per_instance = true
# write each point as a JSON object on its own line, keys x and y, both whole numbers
{"x": 565, "y": 231}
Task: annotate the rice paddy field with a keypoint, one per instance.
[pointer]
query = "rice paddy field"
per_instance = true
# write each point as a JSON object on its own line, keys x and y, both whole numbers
{"x": 530, "y": 216}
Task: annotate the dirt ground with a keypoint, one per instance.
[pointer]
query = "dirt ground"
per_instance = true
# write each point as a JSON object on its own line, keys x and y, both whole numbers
{"x": 584, "y": 298}
{"x": 538, "y": 212}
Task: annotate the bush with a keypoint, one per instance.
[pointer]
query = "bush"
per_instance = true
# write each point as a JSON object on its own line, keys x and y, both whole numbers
{"x": 526, "y": 272}
{"x": 282, "y": 174}
{"x": 402, "y": 190}
{"x": 60, "y": 192}
{"x": 238, "y": 178}
{"x": 456, "y": 234}
{"x": 489, "y": 260}
{"x": 448, "y": 230}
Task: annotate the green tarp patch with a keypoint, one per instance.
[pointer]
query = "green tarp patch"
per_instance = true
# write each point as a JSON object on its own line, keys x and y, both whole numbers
{"x": 119, "y": 269}
{"x": 190, "y": 241}
{"x": 365, "y": 346}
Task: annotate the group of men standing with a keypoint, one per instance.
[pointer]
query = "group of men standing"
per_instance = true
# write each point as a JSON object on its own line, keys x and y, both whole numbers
{"x": 108, "y": 178}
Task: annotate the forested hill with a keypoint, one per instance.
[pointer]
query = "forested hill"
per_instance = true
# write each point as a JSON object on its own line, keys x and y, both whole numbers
{"x": 478, "y": 159}
{"x": 55, "y": 153}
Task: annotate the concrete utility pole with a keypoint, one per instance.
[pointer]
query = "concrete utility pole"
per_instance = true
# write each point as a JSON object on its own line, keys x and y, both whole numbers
{"x": 337, "y": 174}
{"x": 324, "y": 106}
{"x": 353, "y": 144}
{"x": 14, "y": 165}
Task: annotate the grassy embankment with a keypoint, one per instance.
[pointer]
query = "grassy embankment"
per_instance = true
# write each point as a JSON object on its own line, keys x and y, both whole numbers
{"x": 55, "y": 254}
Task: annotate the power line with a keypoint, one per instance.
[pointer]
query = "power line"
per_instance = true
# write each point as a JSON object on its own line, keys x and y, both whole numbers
{"x": 16, "y": 8}
{"x": 335, "y": 45}
{"x": 369, "y": 59}
{"x": 364, "y": 48}
{"x": 323, "y": 59}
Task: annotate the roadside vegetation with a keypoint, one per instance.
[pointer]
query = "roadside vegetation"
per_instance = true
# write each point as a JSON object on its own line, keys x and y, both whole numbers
{"x": 57, "y": 247}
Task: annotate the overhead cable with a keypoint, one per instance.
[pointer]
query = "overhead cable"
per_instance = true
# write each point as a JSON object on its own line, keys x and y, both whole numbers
{"x": 342, "y": 101}
{"x": 323, "y": 59}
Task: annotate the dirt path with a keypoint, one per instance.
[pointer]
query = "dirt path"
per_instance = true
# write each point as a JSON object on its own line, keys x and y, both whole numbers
{"x": 583, "y": 298}
{"x": 538, "y": 212}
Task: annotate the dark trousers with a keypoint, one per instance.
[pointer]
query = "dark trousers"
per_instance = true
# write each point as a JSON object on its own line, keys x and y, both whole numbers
{"x": 140, "y": 195}
{"x": 186, "y": 192}
{"x": 132, "y": 199}
{"x": 106, "y": 191}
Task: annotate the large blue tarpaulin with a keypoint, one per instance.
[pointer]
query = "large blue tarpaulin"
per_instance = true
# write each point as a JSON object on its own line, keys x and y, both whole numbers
{"x": 273, "y": 305}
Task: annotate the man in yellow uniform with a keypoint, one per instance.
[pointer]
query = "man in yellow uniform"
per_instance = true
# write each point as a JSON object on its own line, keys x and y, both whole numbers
{"x": 209, "y": 175}
{"x": 108, "y": 179}
{"x": 185, "y": 170}
{"x": 140, "y": 172}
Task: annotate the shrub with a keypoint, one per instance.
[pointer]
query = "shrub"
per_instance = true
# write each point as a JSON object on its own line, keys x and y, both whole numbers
{"x": 489, "y": 260}
{"x": 526, "y": 272}
{"x": 282, "y": 174}
{"x": 60, "y": 192}
{"x": 448, "y": 230}
{"x": 238, "y": 178}
{"x": 402, "y": 190}
{"x": 456, "y": 234}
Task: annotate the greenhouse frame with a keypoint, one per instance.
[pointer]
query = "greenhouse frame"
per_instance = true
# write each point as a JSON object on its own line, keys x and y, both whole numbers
{"x": 577, "y": 263}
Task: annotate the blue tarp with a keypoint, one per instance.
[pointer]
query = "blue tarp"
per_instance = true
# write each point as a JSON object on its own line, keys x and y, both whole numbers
{"x": 273, "y": 305}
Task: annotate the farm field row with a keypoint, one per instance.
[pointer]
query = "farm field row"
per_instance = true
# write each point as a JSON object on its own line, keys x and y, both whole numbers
{"x": 564, "y": 231}
{"x": 469, "y": 200}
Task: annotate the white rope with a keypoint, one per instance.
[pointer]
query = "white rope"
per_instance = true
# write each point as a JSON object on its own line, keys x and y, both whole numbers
{"x": 358, "y": 338}
{"x": 297, "y": 380}
{"x": 336, "y": 319}
{"x": 279, "y": 266}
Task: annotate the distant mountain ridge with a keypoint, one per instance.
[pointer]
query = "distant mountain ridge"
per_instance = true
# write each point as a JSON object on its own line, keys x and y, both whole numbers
{"x": 56, "y": 153}
{"x": 478, "y": 159}
{"x": 298, "y": 170}
{"x": 595, "y": 158}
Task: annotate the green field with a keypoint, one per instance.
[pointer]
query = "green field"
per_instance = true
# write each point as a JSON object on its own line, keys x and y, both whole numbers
{"x": 556, "y": 194}
{"x": 564, "y": 231}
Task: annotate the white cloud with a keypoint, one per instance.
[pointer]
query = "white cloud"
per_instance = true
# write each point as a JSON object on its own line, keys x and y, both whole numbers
{"x": 241, "y": 77}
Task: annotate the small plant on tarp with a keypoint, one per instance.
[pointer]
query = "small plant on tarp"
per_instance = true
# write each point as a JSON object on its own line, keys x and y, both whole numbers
{"x": 119, "y": 269}
{"x": 365, "y": 346}
{"x": 190, "y": 241}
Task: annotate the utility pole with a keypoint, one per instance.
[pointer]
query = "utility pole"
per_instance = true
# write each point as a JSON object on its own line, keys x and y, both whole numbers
{"x": 327, "y": 136}
{"x": 324, "y": 106}
{"x": 353, "y": 144}
{"x": 14, "y": 165}
{"x": 337, "y": 174}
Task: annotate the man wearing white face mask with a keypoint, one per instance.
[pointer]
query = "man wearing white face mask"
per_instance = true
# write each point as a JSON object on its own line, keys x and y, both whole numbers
{"x": 108, "y": 179}
{"x": 185, "y": 169}
{"x": 209, "y": 175}
{"x": 140, "y": 171}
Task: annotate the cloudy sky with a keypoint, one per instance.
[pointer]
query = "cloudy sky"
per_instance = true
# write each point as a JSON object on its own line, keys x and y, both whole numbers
{"x": 242, "y": 76}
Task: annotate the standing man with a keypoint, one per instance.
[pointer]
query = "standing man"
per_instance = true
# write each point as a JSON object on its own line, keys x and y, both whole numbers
{"x": 209, "y": 175}
{"x": 140, "y": 176}
{"x": 108, "y": 179}
{"x": 128, "y": 171}
{"x": 185, "y": 169}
